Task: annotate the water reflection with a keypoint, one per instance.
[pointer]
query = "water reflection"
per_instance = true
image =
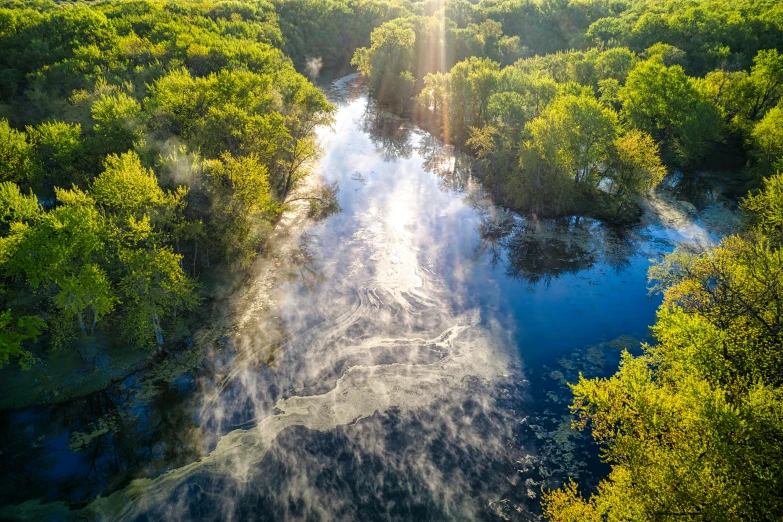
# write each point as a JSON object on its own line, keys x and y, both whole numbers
{"x": 310, "y": 271}
{"x": 542, "y": 251}
{"x": 372, "y": 367}
{"x": 450, "y": 166}
{"x": 702, "y": 189}
{"x": 390, "y": 134}
{"x": 97, "y": 444}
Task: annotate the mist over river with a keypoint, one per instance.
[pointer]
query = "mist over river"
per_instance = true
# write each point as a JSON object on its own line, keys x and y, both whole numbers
{"x": 403, "y": 371}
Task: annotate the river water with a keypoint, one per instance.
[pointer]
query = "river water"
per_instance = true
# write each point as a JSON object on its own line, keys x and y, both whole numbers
{"x": 411, "y": 366}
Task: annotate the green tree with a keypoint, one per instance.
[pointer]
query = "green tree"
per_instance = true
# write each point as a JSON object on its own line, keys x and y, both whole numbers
{"x": 57, "y": 244}
{"x": 153, "y": 290}
{"x": 59, "y": 147}
{"x": 242, "y": 206}
{"x": 680, "y": 446}
{"x": 86, "y": 292}
{"x": 511, "y": 111}
{"x": 18, "y": 161}
{"x": 264, "y": 136}
{"x": 13, "y": 336}
{"x": 472, "y": 83}
{"x": 765, "y": 208}
{"x": 575, "y": 134}
{"x": 15, "y": 207}
{"x": 390, "y": 54}
{"x": 767, "y": 140}
{"x": 129, "y": 193}
{"x": 766, "y": 77}
{"x": 56, "y": 252}
{"x": 307, "y": 109}
{"x": 666, "y": 104}
{"x": 635, "y": 168}
{"x": 116, "y": 121}
{"x": 615, "y": 63}
{"x": 434, "y": 98}
{"x": 125, "y": 187}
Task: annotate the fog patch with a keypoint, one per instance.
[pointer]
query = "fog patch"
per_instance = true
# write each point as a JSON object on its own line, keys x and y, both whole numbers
{"x": 313, "y": 67}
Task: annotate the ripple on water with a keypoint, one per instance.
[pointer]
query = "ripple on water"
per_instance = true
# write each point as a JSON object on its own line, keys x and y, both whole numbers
{"x": 381, "y": 378}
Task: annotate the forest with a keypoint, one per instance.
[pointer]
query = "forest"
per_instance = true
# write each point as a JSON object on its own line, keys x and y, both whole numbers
{"x": 149, "y": 148}
{"x": 141, "y": 144}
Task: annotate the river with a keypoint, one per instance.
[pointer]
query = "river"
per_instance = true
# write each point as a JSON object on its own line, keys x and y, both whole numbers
{"x": 411, "y": 365}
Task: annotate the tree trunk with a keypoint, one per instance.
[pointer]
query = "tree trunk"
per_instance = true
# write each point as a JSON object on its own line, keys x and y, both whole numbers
{"x": 620, "y": 208}
{"x": 158, "y": 331}
{"x": 81, "y": 323}
{"x": 195, "y": 256}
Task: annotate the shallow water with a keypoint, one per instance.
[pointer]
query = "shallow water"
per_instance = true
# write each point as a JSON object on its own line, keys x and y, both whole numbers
{"x": 394, "y": 380}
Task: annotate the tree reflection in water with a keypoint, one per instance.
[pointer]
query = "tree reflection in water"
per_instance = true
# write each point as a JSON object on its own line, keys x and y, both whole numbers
{"x": 100, "y": 442}
{"x": 390, "y": 134}
{"x": 565, "y": 246}
{"x": 451, "y": 167}
{"x": 533, "y": 251}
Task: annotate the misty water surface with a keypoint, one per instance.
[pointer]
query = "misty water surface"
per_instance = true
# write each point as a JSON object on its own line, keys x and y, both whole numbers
{"x": 415, "y": 322}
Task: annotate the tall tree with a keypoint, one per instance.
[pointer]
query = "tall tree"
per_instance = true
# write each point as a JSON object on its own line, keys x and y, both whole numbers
{"x": 635, "y": 169}
{"x": 575, "y": 134}
{"x": 154, "y": 290}
{"x": 665, "y": 103}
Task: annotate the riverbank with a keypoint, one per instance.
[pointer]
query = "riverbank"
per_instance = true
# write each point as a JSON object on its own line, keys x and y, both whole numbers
{"x": 65, "y": 374}
{"x": 383, "y": 351}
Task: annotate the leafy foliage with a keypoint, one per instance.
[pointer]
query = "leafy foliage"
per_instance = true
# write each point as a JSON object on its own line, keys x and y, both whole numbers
{"x": 692, "y": 428}
{"x": 682, "y": 73}
{"x": 151, "y": 133}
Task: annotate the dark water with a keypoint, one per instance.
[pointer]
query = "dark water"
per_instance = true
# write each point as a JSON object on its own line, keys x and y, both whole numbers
{"x": 423, "y": 330}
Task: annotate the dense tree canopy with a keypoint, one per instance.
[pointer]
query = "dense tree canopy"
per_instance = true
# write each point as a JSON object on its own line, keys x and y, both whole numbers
{"x": 693, "y": 427}
{"x": 145, "y": 142}
{"x": 157, "y": 138}
{"x": 694, "y": 76}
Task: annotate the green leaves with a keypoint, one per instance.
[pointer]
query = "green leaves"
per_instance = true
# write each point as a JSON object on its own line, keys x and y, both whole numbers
{"x": 99, "y": 249}
{"x": 127, "y": 190}
{"x": 575, "y": 133}
{"x": 767, "y": 141}
{"x": 665, "y": 103}
{"x": 388, "y": 58}
{"x": 14, "y": 334}
{"x": 18, "y": 161}
{"x": 636, "y": 168}
{"x": 16, "y": 207}
{"x": 55, "y": 244}
{"x": 242, "y": 203}
{"x": 60, "y": 149}
{"x": 766, "y": 208}
{"x": 116, "y": 117}
{"x": 153, "y": 289}
{"x": 693, "y": 427}
{"x": 87, "y": 291}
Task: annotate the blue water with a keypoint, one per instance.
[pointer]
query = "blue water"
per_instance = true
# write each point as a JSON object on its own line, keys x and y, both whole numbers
{"x": 391, "y": 378}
